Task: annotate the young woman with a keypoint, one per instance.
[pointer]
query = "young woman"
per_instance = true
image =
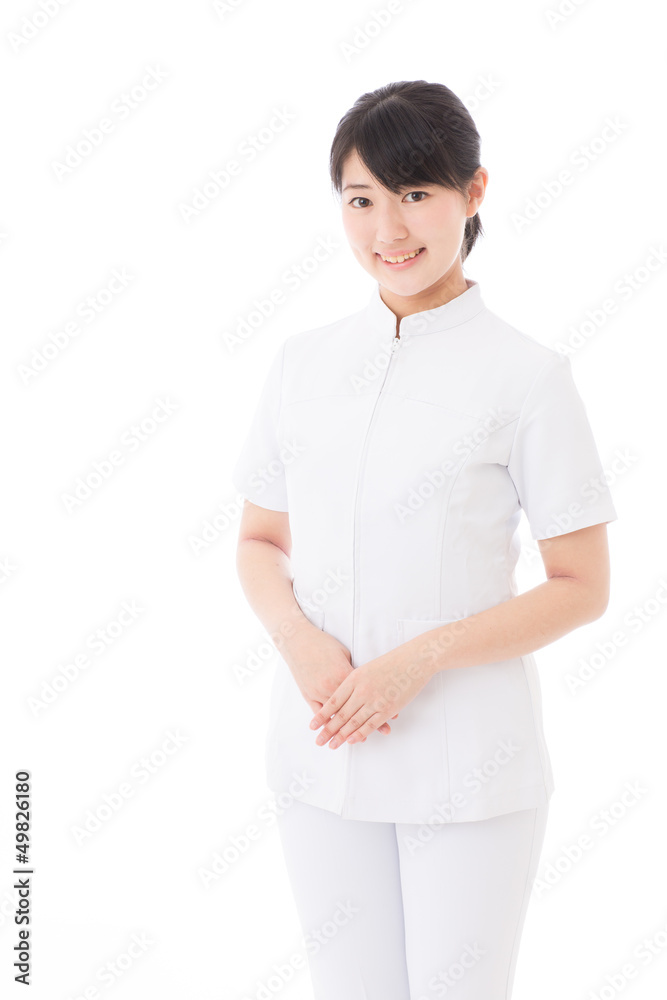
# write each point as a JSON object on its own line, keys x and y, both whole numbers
{"x": 385, "y": 471}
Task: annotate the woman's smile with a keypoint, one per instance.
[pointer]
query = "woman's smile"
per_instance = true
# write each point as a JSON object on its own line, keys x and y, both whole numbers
{"x": 399, "y": 261}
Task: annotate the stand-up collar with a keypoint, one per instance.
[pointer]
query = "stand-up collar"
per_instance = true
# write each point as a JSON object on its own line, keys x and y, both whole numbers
{"x": 459, "y": 309}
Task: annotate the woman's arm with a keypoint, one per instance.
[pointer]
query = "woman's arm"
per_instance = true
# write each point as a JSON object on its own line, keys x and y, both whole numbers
{"x": 263, "y": 566}
{"x": 317, "y": 661}
{"x": 575, "y": 593}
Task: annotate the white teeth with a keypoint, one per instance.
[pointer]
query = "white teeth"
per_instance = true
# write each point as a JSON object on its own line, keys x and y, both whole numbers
{"x": 399, "y": 260}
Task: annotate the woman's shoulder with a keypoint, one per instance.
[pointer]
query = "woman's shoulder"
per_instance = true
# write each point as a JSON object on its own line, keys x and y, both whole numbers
{"x": 312, "y": 339}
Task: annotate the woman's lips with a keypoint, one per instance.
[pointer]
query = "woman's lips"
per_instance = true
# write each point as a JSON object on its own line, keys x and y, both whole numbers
{"x": 405, "y": 264}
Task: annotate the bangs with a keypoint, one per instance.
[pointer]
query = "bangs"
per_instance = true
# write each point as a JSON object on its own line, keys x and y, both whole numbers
{"x": 409, "y": 134}
{"x": 399, "y": 147}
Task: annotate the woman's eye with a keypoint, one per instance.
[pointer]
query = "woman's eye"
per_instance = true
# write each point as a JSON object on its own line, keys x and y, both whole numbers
{"x": 360, "y": 197}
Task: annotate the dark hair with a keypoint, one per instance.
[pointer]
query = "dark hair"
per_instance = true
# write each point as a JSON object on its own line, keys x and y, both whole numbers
{"x": 411, "y": 132}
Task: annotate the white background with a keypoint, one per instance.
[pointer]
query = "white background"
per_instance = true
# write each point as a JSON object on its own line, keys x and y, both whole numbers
{"x": 538, "y": 92}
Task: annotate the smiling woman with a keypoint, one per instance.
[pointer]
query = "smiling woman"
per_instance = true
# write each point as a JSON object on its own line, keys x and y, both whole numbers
{"x": 383, "y": 558}
{"x": 383, "y": 148}
{"x": 417, "y": 234}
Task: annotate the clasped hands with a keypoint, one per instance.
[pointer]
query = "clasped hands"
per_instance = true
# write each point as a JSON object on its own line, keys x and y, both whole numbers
{"x": 370, "y": 695}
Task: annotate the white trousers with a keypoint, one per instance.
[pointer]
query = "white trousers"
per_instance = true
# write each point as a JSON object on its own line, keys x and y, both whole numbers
{"x": 393, "y": 911}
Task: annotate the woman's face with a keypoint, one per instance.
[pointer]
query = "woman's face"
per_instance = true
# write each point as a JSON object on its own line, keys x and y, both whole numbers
{"x": 378, "y": 222}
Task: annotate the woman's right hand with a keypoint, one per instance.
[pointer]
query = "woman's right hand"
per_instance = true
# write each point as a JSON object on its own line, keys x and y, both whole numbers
{"x": 319, "y": 663}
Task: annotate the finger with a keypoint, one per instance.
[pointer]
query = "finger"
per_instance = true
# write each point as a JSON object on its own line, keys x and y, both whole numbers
{"x": 344, "y": 707}
{"x": 334, "y": 704}
{"x": 363, "y": 730}
{"x": 350, "y": 731}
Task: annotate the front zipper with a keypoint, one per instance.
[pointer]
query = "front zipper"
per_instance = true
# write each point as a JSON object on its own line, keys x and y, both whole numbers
{"x": 396, "y": 343}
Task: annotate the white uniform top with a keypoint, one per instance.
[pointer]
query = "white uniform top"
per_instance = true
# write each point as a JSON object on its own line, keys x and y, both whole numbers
{"x": 404, "y": 465}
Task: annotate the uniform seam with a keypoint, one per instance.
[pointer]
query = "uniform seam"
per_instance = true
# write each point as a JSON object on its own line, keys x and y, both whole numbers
{"x": 524, "y": 906}
{"x": 430, "y": 402}
{"x": 444, "y": 741}
{"x": 531, "y": 699}
{"x": 448, "y": 326}
{"x": 280, "y": 391}
{"x": 349, "y": 783}
{"x": 549, "y": 361}
{"x": 330, "y": 395}
{"x": 537, "y": 729}
{"x": 396, "y": 395}
{"x": 441, "y": 545}
{"x": 533, "y": 341}
{"x": 438, "y": 581}
{"x": 441, "y": 539}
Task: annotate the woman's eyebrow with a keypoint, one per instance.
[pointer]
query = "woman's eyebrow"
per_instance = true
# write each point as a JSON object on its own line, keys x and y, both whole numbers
{"x": 403, "y": 187}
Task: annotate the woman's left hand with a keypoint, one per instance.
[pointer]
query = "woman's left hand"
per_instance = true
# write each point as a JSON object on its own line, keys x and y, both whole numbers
{"x": 371, "y": 694}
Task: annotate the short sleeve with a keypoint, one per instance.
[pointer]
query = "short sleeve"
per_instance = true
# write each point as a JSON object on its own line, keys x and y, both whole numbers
{"x": 554, "y": 461}
{"x": 259, "y": 472}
